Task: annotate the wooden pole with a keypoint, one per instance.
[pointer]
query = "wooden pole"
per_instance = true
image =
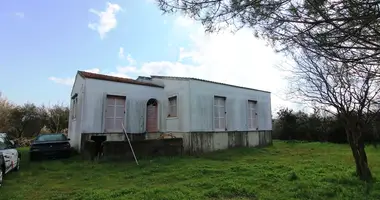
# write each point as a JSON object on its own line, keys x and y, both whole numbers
{"x": 130, "y": 145}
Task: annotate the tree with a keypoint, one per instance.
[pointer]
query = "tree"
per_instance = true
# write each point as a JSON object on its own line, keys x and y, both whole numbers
{"x": 336, "y": 45}
{"x": 58, "y": 118}
{"x": 287, "y": 123}
{"x": 335, "y": 29}
{"x": 26, "y": 120}
{"x": 349, "y": 92}
{"x": 5, "y": 111}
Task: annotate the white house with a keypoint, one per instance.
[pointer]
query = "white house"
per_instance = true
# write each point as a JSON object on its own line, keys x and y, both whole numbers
{"x": 207, "y": 115}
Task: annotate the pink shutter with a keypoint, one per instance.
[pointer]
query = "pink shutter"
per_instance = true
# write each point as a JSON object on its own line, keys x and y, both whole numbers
{"x": 115, "y": 113}
{"x": 152, "y": 118}
{"x": 110, "y": 114}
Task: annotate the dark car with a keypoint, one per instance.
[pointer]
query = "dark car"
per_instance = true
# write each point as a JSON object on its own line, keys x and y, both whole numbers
{"x": 50, "y": 146}
{"x": 10, "y": 157}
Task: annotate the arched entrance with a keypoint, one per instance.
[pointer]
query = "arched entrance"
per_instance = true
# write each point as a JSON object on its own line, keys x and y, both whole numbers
{"x": 152, "y": 116}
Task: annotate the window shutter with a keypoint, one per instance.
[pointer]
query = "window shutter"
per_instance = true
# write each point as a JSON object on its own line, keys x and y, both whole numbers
{"x": 114, "y": 113}
{"x": 219, "y": 113}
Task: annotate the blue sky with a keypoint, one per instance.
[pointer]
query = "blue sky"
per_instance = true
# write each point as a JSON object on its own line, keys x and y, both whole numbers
{"x": 43, "y": 43}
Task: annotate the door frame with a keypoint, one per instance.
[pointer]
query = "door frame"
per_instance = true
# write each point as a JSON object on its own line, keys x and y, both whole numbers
{"x": 158, "y": 114}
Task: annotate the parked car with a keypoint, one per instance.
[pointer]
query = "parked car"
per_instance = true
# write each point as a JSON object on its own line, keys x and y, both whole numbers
{"x": 54, "y": 145}
{"x": 10, "y": 157}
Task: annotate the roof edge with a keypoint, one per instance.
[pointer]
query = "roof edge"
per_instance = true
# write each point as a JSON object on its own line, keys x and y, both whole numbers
{"x": 105, "y": 77}
{"x": 207, "y": 81}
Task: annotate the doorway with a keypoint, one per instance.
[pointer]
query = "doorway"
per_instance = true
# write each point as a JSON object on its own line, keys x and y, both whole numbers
{"x": 152, "y": 116}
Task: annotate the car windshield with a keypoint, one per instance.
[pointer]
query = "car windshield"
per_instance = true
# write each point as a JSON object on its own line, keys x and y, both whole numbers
{"x": 2, "y": 143}
{"x": 51, "y": 137}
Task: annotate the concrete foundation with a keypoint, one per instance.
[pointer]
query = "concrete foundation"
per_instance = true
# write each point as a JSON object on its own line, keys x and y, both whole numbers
{"x": 198, "y": 142}
{"x": 109, "y": 137}
{"x": 201, "y": 142}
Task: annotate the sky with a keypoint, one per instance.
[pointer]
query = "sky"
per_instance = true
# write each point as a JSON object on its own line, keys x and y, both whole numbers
{"x": 43, "y": 44}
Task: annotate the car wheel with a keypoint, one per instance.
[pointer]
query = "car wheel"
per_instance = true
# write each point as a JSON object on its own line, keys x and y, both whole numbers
{"x": 17, "y": 168}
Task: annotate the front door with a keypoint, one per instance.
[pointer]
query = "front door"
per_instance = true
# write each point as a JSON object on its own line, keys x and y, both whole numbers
{"x": 152, "y": 116}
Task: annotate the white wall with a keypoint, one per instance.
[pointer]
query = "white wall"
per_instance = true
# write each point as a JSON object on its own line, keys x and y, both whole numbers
{"x": 136, "y": 99}
{"x": 180, "y": 89}
{"x": 202, "y": 95}
{"x": 74, "y": 129}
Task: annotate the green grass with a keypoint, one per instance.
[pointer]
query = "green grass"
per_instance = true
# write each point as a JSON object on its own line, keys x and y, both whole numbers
{"x": 284, "y": 171}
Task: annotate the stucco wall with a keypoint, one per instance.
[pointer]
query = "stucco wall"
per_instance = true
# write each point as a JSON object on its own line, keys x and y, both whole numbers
{"x": 136, "y": 99}
{"x": 202, "y": 100}
{"x": 195, "y": 105}
{"x": 178, "y": 88}
{"x": 74, "y": 129}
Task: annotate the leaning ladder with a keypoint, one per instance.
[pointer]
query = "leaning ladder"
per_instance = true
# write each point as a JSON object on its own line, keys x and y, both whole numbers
{"x": 129, "y": 142}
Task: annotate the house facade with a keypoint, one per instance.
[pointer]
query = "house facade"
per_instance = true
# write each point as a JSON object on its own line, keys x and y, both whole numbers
{"x": 100, "y": 104}
{"x": 207, "y": 115}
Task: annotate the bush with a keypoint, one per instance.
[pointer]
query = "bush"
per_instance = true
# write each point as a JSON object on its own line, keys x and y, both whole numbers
{"x": 23, "y": 142}
{"x": 317, "y": 126}
{"x": 29, "y": 120}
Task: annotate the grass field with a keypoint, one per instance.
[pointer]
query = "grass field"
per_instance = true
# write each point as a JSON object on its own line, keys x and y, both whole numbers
{"x": 284, "y": 171}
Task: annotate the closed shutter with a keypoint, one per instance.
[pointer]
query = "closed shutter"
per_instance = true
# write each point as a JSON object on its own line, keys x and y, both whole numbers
{"x": 115, "y": 113}
{"x": 252, "y": 115}
{"x": 219, "y": 113}
{"x": 173, "y": 107}
{"x": 152, "y": 118}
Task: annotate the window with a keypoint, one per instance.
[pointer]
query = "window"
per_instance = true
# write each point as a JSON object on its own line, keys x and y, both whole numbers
{"x": 114, "y": 113}
{"x": 252, "y": 115}
{"x": 51, "y": 137}
{"x": 74, "y": 107}
{"x": 219, "y": 113}
{"x": 3, "y": 145}
{"x": 172, "y": 107}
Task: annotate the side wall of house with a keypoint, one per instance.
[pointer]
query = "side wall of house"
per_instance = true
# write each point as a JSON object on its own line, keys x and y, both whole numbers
{"x": 137, "y": 97}
{"x": 179, "y": 88}
{"x": 236, "y": 106}
{"x": 75, "y": 124}
{"x": 201, "y": 135}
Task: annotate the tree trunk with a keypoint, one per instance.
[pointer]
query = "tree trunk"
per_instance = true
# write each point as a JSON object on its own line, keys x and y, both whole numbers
{"x": 360, "y": 156}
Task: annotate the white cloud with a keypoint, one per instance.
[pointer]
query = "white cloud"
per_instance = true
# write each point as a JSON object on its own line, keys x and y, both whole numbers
{"x": 183, "y": 21}
{"x": 64, "y": 81}
{"x": 238, "y": 59}
{"x": 183, "y": 54}
{"x": 93, "y": 70}
{"x": 20, "y": 14}
{"x": 107, "y": 19}
{"x": 70, "y": 80}
{"x": 121, "y": 53}
{"x": 129, "y": 58}
{"x": 118, "y": 74}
